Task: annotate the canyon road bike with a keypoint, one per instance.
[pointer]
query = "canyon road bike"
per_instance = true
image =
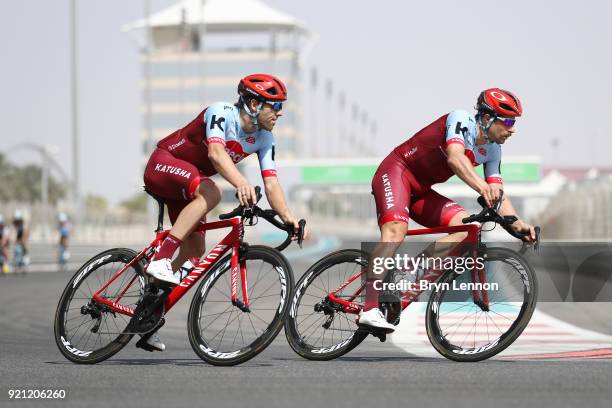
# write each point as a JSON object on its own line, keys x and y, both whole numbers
{"x": 470, "y": 324}
{"x": 238, "y": 309}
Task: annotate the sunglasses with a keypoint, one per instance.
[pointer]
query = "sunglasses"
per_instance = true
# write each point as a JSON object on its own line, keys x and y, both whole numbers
{"x": 277, "y": 106}
{"x": 507, "y": 122}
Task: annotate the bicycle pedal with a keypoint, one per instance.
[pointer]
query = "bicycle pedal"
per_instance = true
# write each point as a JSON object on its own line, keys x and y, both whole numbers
{"x": 374, "y": 331}
{"x": 142, "y": 343}
{"x": 381, "y": 336}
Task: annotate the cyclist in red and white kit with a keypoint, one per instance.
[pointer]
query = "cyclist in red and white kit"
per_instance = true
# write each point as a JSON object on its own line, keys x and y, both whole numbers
{"x": 219, "y": 137}
{"x": 453, "y": 144}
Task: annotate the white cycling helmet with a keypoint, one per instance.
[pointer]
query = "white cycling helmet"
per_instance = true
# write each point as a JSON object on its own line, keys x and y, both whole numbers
{"x": 62, "y": 217}
{"x": 17, "y": 215}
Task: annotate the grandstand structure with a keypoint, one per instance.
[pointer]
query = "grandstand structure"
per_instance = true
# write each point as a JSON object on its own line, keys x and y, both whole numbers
{"x": 198, "y": 51}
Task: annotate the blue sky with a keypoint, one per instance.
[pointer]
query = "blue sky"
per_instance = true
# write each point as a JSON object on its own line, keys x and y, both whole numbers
{"x": 405, "y": 62}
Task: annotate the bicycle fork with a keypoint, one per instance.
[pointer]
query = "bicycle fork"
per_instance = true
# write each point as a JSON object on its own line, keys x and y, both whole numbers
{"x": 480, "y": 297}
{"x": 238, "y": 264}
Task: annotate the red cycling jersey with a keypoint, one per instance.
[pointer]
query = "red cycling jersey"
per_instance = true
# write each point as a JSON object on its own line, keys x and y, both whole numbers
{"x": 180, "y": 163}
{"x": 189, "y": 144}
{"x": 402, "y": 183}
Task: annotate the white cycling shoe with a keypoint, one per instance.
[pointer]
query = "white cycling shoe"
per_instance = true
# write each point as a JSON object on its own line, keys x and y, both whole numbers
{"x": 161, "y": 269}
{"x": 374, "y": 319}
{"x": 153, "y": 343}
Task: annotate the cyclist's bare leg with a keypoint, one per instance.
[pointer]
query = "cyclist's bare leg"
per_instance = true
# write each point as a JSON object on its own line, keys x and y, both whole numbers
{"x": 391, "y": 236}
{"x": 193, "y": 246}
{"x": 444, "y": 245}
{"x": 206, "y": 197}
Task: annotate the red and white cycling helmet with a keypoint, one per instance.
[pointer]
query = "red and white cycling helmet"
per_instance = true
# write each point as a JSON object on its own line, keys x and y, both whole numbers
{"x": 263, "y": 87}
{"x": 499, "y": 102}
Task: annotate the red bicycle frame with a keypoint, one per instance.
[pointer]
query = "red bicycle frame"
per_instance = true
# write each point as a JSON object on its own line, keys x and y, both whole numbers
{"x": 473, "y": 231}
{"x": 231, "y": 241}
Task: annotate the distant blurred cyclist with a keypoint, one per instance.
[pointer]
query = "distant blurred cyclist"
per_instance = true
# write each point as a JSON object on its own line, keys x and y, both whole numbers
{"x": 218, "y": 138}
{"x": 4, "y": 246}
{"x": 20, "y": 250}
{"x": 452, "y": 145}
{"x": 64, "y": 233}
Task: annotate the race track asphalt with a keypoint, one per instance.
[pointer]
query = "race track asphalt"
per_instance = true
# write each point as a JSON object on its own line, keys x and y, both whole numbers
{"x": 374, "y": 374}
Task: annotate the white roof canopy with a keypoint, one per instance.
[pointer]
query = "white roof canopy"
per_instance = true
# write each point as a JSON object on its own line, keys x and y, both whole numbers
{"x": 221, "y": 16}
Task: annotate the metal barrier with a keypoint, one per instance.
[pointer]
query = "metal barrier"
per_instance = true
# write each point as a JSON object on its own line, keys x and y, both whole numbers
{"x": 582, "y": 210}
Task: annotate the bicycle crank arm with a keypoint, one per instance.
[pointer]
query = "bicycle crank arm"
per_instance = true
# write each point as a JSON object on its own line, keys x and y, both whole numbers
{"x": 149, "y": 311}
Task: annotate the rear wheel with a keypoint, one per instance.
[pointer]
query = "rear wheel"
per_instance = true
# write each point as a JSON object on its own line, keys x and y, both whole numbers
{"x": 316, "y": 328}
{"x": 220, "y": 332}
{"x": 85, "y": 331}
{"x": 461, "y": 330}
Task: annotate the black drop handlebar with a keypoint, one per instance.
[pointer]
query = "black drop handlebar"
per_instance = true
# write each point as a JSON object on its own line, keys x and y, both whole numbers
{"x": 253, "y": 212}
{"x": 490, "y": 214}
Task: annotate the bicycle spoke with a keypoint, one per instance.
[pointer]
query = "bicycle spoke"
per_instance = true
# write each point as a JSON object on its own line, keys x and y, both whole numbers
{"x": 258, "y": 277}
{"x": 469, "y": 332}
{"x": 266, "y": 296}
{"x": 269, "y": 287}
{"x": 462, "y": 320}
{"x": 223, "y": 293}
{"x": 225, "y": 329}
{"x": 237, "y": 331}
{"x": 214, "y": 320}
{"x": 316, "y": 297}
{"x": 305, "y": 331}
{"x": 252, "y": 325}
{"x": 505, "y": 317}
{"x": 306, "y": 317}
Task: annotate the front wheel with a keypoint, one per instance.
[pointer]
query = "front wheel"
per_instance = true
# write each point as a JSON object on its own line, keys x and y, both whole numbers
{"x": 223, "y": 334}
{"x": 462, "y": 330}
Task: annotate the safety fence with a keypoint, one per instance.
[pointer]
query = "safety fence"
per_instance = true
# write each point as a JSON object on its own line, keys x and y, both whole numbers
{"x": 581, "y": 211}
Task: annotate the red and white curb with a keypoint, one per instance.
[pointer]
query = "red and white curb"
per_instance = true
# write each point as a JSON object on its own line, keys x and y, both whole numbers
{"x": 545, "y": 337}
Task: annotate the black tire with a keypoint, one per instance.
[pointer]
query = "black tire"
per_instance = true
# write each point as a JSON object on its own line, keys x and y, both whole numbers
{"x": 316, "y": 283}
{"x": 509, "y": 311}
{"x": 72, "y": 329}
{"x": 269, "y": 277}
